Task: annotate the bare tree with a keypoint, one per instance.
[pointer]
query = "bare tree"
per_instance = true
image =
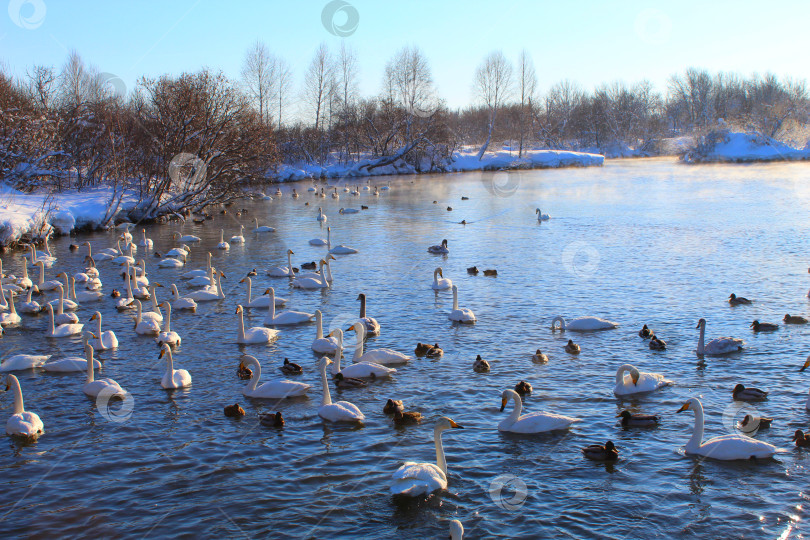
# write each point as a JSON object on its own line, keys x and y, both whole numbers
{"x": 41, "y": 82}
{"x": 347, "y": 74}
{"x": 493, "y": 84}
{"x": 283, "y": 86}
{"x": 73, "y": 81}
{"x": 258, "y": 77}
{"x": 527, "y": 86}
{"x": 319, "y": 83}
{"x": 409, "y": 74}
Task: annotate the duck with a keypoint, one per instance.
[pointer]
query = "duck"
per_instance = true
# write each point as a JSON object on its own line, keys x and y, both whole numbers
{"x": 472, "y": 270}
{"x": 439, "y": 249}
{"x": 523, "y": 388}
{"x": 540, "y": 215}
{"x": 657, "y": 344}
{"x": 291, "y": 368}
{"x": 270, "y": 419}
{"x": 460, "y": 315}
{"x": 341, "y": 381}
{"x": 173, "y": 378}
{"x": 637, "y": 382}
{"x": 24, "y": 424}
{"x": 598, "y": 452}
{"x": 751, "y": 424}
{"x": 434, "y": 351}
{"x": 244, "y": 372}
{"x": 718, "y": 346}
{"x": 255, "y": 334}
{"x": 741, "y": 393}
{"x": 645, "y": 332}
{"x": 572, "y": 348}
{"x": 629, "y": 419}
{"x": 491, "y": 273}
{"x": 392, "y": 405}
{"x": 365, "y": 369}
{"x": 480, "y": 365}
{"x": 312, "y": 265}
{"x": 363, "y": 206}
{"x": 422, "y": 349}
{"x": 234, "y": 411}
{"x": 724, "y": 447}
{"x": 794, "y": 319}
{"x": 801, "y": 440}
{"x": 764, "y": 327}
{"x": 406, "y": 418}
{"x": 285, "y": 317}
{"x": 269, "y": 390}
{"x": 539, "y": 357}
{"x": 449, "y": 208}
{"x": 339, "y": 411}
{"x": 582, "y": 324}
{"x": 374, "y": 356}
{"x": 537, "y": 422}
{"x": 371, "y": 324}
{"x": 440, "y": 283}
{"x": 421, "y": 479}
{"x": 735, "y": 300}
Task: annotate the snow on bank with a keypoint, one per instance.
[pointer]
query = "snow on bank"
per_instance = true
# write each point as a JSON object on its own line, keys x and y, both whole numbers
{"x": 463, "y": 161}
{"x": 735, "y": 147}
{"x": 22, "y": 213}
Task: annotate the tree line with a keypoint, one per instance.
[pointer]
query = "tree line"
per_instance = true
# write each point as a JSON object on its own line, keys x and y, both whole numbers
{"x": 75, "y": 127}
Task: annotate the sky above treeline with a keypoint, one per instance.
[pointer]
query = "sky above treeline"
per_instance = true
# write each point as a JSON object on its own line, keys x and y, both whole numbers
{"x": 590, "y": 42}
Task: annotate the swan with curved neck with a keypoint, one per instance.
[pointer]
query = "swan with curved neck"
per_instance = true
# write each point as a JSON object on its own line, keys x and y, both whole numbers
{"x": 269, "y": 390}
{"x": 718, "y": 346}
{"x": 440, "y": 284}
{"x": 208, "y": 295}
{"x": 536, "y": 422}
{"x": 340, "y": 411}
{"x": 321, "y": 241}
{"x": 145, "y": 327}
{"x": 321, "y": 344}
{"x": 637, "y": 382}
{"x": 22, "y": 423}
{"x": 724, "y": 447}
{"x": 419, "y": 479}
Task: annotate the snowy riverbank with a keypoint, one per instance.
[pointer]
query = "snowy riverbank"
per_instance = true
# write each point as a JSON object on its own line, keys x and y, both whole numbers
{"x": 723, "y": 146}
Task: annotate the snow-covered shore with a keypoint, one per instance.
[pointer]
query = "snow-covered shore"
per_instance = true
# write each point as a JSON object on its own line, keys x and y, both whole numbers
{"x": 724, "y": 146}
{"x": 34, "y": 213}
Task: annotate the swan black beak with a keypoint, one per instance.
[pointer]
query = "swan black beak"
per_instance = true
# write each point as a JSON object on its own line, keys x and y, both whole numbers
{"x": 454, "y": 425}
{"x": 503, "y": 404}
{"x": 684, "y": 407}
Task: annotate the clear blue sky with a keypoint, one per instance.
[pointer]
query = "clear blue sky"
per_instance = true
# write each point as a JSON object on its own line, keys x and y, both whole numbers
{"x": 587, "y": 41}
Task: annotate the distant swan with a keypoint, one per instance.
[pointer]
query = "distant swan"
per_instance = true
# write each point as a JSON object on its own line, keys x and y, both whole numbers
{"x": 583, "y": 324}
{"x": 540, "y": 215}
{"x": 463, "y": 315}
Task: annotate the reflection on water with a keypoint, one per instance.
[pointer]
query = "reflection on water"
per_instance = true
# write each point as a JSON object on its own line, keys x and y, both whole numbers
{"x": 645, "y": 241}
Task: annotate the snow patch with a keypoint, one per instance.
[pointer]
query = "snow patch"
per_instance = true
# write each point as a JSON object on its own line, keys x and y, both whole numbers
{"x": 723, "y": 145}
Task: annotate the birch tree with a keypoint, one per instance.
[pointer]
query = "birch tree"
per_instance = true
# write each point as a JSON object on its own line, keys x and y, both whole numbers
{"x": 493, "y": 85}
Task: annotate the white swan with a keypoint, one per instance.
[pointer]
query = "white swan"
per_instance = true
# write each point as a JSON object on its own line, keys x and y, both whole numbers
{"x": 321, "y": 241}
{"x": 25, "y": 281}
{"x": 181, "y": 302}
{"x": 637, "y": 382}
{"x": 64, "y": 330}
{"x": 724, "y": 447}
{"x": 182, "y": 251}
{"x": 262, "y": 301}
{"x": 372, "y": 327}
{"x": 376, "y": 356}
{"x": 203, "y": 281}
{"x": 84, "y": 296}
{"x": 166, "y": 336}
{"x": 30, "y": 305}
{"x": 171, "y": 262}
{"x": 541, "y": 216}
{"x": 105, "y": 339}
{"x": 239, "y": 238}
{"x": 269, "y": 390}
{"x": 349, "y": 211}
{"x": 43, "y": 285}
{"x": 462, "y": 315}
{"x": 718, "y": 346}
{"x": 256, "y": 334}
{"x": 322, "y": 345}
{"x": 537, "y": 422}
{"x": 200, "y": 272}
{"x": 145, "y": 327}
{"x": 155, "y": 314}
{"x": 145, "y": 242}
{"x": 22, "y": 423}
{"x": 582, "y": 324}
{"x": 208, "y": 295}
{"x": 321, "y": 216}
{"x": 316, "y": 275}
{"x": 61, "y": 316}
{"x": 123, "y": 259}
{"x": 187, "y": 237}
{"x": 283, "y": 271}
{"x": 313, "y": 283}
{"x": 362, "y": 370}
{"x": 456, "y": 528}
{"x": 440, "y": 284}
{"x": 71, "y": 364}
{"x": 173, "y": 378}
{"x": 12, "y": 317}
{"x": 93, "y": 387}
{"x": 285, "y": 317}
{"x": 21, "y": 362}
{"x": 419, "y": 479}
{"x": 262, "y": 228}
{"x": 222, "y": 243}
{"x": 340, "y": 411}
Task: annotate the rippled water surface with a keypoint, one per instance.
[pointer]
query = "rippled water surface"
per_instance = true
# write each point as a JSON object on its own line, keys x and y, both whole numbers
{"x": 645, "y": 241}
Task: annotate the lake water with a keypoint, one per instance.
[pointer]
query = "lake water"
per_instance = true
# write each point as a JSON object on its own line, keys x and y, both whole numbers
{"x": 636, "y": 241}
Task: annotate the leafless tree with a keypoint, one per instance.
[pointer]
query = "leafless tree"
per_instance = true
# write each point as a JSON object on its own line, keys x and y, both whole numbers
{"x": 319, "y": 83}
{"x": 73, "y": 81}
{"x": 284, "y": 81}
{"x": 527, "y": 86}
{"x": 41, "y": 83}
{"x": 493, "y": 85}
{"x": 347, "y": 74}
{"x": 259, "y": 76}
{"x": 408, "y": 74}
